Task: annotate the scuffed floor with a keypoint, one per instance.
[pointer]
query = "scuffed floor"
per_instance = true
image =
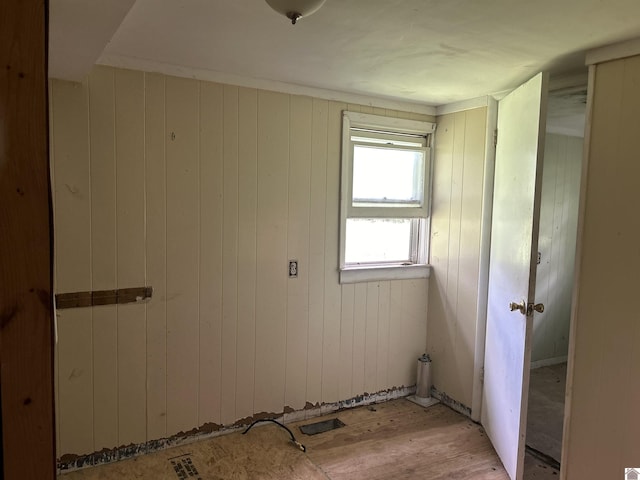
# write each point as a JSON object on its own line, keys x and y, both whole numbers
{"x": 546, "y": 409}
{"x": 394, "y": 440}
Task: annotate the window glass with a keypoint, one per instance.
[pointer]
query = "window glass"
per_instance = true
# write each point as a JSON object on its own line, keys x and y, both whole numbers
{"x": 387, "y": 176}
{"x": 378, "y": 240}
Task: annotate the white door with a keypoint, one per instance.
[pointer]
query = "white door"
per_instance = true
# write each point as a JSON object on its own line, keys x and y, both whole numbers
{"x": 512, "y": 269}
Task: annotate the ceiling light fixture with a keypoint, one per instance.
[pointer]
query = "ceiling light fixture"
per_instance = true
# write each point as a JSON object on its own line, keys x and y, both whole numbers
{"x": 295, "y": 9}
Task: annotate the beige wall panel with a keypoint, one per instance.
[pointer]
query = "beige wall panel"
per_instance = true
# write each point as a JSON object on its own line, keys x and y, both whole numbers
{"x": 271, "y": 296}
{"x": 606, "y": 364}
{"x": 345, "y": 387}
{"x": 382, "y": 360}
{"x": 452, "y": 330}
{"x": 72, "y": 193}
{"x": 455, "y": 250}
{"x": 558, "y": 294}
{"x": 102, "y": 103}
{"x": 56, "y": 386}
{"x": 411, "y": 116}
{"x": 567, "y": 243}
{"x": 229, "y": 255}
{"x": 572, "y": 205}
{"x": 72, "y": 188}
{"x": 103, "y": 254}
{"x": 131, "y": 267}
{"x": 469, "y": 250}
{"x": 75, "y": 382}
{"x": 298, "y": 249}
{"x": 544, "y": 289}
{"x": 183, "y": 198}
{"x": 557, "y": 242}
{"x": 359, "y": 337}
{"x": 156, "y": 235}
{"x": 413, "y": 327}
{"x": 419, "y": 116}
{"x": 317, "y": 211}
{"x": 455, "y": 220}
{"x": 247, "y": 216}
{"x": 332, "y": 291}
{"x": 371, "y": 339}
{"x": 439, "y": 342}
{"x": 211, "y": 222}
{"x": 132, "y": 401}
{"x": 396, "y": 348}
{"x": 105, "y": 375}
{"x": 130, "y": 165}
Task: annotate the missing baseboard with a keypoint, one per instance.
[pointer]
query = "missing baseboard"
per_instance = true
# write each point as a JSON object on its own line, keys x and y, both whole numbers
{"x": 543, "y": 457}
{"x": 450, "y": 402}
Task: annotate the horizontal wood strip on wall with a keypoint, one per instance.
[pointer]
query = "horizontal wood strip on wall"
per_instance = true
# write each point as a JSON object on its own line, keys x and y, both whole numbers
{"x": 102, "y": 297}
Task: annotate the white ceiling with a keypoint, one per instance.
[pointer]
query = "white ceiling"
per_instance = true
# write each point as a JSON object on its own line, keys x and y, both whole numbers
{"x": 429, "y": 52}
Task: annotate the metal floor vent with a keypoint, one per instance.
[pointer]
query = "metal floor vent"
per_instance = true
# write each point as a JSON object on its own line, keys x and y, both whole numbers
{"x": 321, "y": 427}
{"x": 184, "y": 467}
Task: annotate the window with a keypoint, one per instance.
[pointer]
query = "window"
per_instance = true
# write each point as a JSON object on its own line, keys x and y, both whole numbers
{"x": 384, "y": 198}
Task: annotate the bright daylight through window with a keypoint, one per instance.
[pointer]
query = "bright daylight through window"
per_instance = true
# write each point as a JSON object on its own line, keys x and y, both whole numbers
{"x": 384, "y": 198}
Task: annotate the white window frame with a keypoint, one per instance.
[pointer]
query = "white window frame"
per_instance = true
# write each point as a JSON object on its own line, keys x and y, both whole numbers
{"x": 384, "y": 271}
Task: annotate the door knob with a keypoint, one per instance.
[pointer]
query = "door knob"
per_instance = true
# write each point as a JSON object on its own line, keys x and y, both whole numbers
{"x": 539, "y": 307}
{"x": 521, "y": 307}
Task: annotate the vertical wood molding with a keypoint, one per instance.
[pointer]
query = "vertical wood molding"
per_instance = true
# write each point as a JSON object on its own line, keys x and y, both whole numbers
{"x": 26, "y": 353}
{"x": 485, "y": 253}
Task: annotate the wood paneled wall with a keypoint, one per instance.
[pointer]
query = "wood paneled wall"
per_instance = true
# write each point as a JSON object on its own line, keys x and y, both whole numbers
{"x": 456, "y": 223}
{"x": 557, "y": 246}
{"x": 204, "y": 191}
{"x": 601, "y": 432}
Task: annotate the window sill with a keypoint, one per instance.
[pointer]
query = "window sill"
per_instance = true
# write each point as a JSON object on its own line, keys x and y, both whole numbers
{"x": 386, "y": 272}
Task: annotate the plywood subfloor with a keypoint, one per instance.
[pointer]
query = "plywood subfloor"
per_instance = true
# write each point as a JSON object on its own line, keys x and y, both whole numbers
{"x": 546, "y": 409}
{"x": 397, "y": 439}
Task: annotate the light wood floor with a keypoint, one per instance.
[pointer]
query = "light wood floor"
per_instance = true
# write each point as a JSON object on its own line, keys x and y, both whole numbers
{"x": 546, "y": 409}
{"x": 394, "y": 440}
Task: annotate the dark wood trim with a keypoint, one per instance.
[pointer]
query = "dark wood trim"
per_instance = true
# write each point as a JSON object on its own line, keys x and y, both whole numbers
{"x": 26, "y": 314}
{"x": 103, "y": 297}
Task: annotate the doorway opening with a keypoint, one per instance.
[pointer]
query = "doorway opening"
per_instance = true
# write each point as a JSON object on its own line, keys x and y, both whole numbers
{"x": 555, "y": 272}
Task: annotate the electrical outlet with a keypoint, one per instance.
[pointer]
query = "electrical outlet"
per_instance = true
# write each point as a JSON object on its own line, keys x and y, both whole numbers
{"x": 293, "y": 268}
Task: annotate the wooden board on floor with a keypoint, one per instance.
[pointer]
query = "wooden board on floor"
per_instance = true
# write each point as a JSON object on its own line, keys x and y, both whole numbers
{"x": 396, "y": 439}
{"x": 264, "y": 453}
{"x": 399, "y": 439}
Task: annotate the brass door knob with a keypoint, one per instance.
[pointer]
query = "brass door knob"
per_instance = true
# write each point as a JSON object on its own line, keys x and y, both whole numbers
{"x": 521, "y": 307}
{"x": 538, "y": 307}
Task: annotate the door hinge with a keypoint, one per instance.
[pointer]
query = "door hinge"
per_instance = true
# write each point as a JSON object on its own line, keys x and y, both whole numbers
{"x": 495, "y": 137}
{"x": 481, "y": 374}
